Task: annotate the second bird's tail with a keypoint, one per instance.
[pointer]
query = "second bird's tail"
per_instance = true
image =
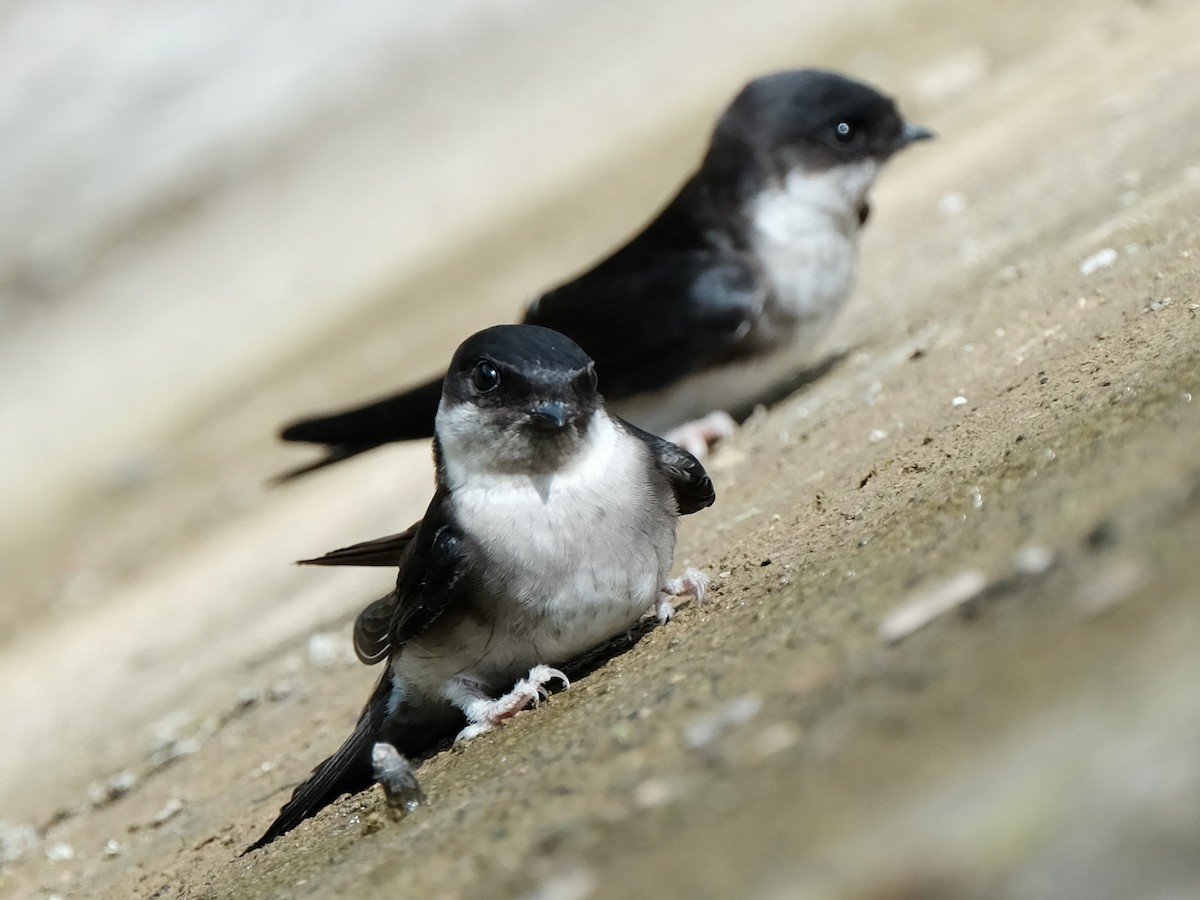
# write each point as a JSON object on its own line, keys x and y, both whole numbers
{"x": 407, "y": 416}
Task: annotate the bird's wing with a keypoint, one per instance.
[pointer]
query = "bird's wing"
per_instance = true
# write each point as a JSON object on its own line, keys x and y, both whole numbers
{"x": 651, "y": 318}
{"x": 406, "y": 416}
{"x": 432, "y": 568}
{"x": 432, "y": 575}
{"x": 372, "y": 642}
{"x": 691, "y": 485}
{"x": 384, "y": 551}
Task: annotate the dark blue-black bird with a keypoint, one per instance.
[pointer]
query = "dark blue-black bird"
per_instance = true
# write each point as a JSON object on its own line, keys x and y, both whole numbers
{"x": 551, "y": 531}
{"x": 722, "y": 297}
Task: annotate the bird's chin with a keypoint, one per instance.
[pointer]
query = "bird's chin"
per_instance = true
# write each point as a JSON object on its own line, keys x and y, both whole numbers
{"x": 550, "y": 447}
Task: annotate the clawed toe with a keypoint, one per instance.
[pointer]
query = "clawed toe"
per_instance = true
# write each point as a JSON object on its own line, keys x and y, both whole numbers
{"x": 664, "y": 609}
{"x": 696, "y": 437}
{"x": 692, "y": 581}
{"x": 483, "y": 715}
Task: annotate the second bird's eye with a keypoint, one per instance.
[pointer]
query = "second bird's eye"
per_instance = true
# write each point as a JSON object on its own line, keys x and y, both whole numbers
{"x": 485, "y": 377}
{"x": 845, "y": 132}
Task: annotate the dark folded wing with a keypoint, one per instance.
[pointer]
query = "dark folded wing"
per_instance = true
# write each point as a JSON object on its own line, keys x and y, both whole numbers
{"x": 691, "y": 485}
{"x": 372, "y": 643}
{"x": 433, "y": 568}
{"x": 651, "y": 318}
{"x": 432, "y": 578}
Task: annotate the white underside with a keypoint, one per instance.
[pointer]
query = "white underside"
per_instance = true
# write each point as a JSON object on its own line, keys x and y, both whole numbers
{"x": 571, "y": 560}
{"x": 805, "y": 239}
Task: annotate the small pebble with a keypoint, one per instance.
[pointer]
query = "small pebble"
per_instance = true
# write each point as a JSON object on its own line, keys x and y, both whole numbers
{"x": 960, "y": 400}
{"x": 60, "y": 851}
{"x": 328, "y": 650}
{"x": 877, "y": 435}
{"x": 16, "y": 841}
{"x": 952, "y": 204}
{"x": 573, "y": 884}
{"x": 931, "y": 603}
{"x": 774, "y": 739}
{"x": 1033, "y": 559}
{"x": 705, "y": 729}
{"x": 173, "y": 807}
{"x": 102, "y": 793}
{"x": 1097, "y": 261}
{"x": 1117, "y": 581}
{"x": 281, "y": 690}
{"x": 656, "y": 792}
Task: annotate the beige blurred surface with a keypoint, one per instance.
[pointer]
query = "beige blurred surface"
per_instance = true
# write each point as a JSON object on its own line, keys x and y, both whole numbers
{"x": 217, "y": 219}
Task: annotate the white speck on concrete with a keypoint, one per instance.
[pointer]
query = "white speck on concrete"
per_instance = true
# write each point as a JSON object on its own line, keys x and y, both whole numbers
{"x": 930, "y": 603}
{"x": 657, "y": 792}
{"x": 952, "y": 204}
{"x": 705, "y": 729}
{"x": 60, "y": 851}
{"x": 328, "y": 650}
{"x": 1033, "y": 559}
{"x": 1097, "y": 261}
{"x": 573, "y": 884}
{"x": 1116, "y": 581}
{"x": 16, "y": 841}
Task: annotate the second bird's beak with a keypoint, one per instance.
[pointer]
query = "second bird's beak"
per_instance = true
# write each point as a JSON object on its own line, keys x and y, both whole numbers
{"x": 913, "y": 133}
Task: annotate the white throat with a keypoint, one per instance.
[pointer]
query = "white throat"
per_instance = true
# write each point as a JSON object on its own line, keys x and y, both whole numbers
{"x": 470, "y": 453}
{"x": 809, "y": 202}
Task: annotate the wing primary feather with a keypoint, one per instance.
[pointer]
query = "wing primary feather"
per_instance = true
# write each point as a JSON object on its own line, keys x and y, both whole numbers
{"x": 384, "y": 551}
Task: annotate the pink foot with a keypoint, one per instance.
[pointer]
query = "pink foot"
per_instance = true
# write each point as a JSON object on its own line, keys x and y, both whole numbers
{"x": 484, "y": 714}
{"x": 692, "y": 581}
{"x": 695, "y": 437}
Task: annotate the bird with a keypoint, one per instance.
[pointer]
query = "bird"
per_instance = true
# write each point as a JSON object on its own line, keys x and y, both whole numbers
{"x": 723, "y": 296}
{"x": 551, "y": 530}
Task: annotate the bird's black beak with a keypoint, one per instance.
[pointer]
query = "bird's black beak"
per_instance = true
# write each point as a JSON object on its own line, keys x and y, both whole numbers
{"x": 913, "y": 133}
{"x": 550, "y": 414}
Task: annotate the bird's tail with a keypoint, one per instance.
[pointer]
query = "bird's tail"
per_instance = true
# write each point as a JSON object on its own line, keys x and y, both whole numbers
{"x": 347, "y": 771}
{"x": 415, "y": 732}
{"x": 406, "y": 416}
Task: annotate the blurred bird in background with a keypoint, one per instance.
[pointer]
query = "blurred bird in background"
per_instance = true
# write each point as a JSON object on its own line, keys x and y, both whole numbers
{"x": 724, "y": 295}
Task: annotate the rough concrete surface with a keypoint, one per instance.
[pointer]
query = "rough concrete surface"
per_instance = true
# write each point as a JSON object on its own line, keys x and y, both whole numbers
{"x": 1004, "y": 430}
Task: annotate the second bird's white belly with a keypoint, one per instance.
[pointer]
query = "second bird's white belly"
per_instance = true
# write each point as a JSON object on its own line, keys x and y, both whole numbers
{"x": 805, "y": 239}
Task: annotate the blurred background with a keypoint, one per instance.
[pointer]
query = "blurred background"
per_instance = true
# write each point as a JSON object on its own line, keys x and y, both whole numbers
{"x": 219, "y": 216}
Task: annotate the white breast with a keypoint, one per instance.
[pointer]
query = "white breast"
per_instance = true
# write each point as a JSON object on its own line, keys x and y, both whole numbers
{"x": 805, "y": 235}
{"x": 805, "y": 238}
{"x": 570, "y": 559}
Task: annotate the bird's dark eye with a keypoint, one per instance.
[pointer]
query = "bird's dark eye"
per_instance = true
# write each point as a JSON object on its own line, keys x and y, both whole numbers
{"x": 485, "y": 377}
{"x": 845, "y": 132}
